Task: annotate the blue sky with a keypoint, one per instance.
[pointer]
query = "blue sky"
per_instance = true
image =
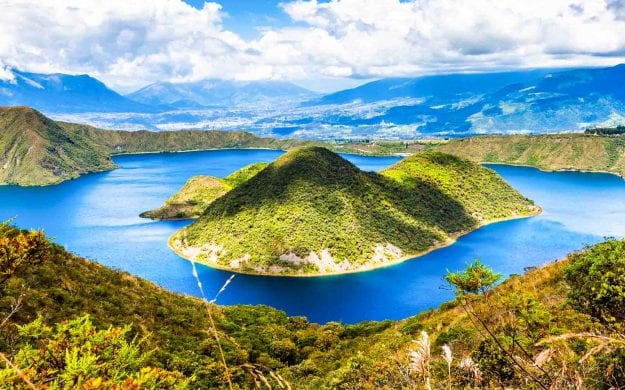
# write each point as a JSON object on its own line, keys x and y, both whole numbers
{"x": 246, "y": 16}
{"x": 324, "y": 45}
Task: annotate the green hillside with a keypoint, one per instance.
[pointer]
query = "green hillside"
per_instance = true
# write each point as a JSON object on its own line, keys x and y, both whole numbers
{"x": 200, "y": 191}
{"x": 548, "y": 152}
{"x": 313, "y": 212}
{"x": 36, "y": 150}
{"x": 562, "y": 324}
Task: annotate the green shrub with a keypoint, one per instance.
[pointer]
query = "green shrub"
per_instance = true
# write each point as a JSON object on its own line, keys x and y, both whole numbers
{"x": 597, "y": 282}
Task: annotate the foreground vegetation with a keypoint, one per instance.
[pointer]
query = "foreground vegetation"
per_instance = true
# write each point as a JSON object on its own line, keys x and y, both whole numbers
{"x": 66, "y": 322}
{"x": 313, "y": 212}
{"x": 200, "y": 191}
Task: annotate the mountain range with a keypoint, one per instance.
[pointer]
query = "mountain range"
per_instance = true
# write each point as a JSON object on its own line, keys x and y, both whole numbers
{"x": 539, "y": 101}
{"x": 64, "y": 93}
{"x": 219, "y": 93}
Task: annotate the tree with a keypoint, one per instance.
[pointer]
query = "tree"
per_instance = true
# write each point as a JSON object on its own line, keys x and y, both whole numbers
{"x": 597, "y": 282}
{"x": 475, "y": 279}
{"x": 74, "y": 354}
{"x": 19, "y": 248}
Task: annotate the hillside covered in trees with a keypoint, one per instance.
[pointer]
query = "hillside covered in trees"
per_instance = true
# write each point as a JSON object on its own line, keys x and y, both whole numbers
{"x": 313, "y": 212}
{"x": 68, "y": 322}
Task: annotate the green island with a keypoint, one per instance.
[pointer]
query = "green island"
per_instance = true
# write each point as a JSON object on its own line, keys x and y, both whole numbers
{"x": 67, "y": 322}
{"x": 200, "y": 191}
{"x": 311, "y": 212}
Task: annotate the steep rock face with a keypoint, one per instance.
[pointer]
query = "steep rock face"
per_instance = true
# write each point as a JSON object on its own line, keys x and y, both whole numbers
{"x": 312, "y": 212}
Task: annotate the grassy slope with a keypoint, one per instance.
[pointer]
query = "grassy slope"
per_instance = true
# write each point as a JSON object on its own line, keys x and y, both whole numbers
{"x": 311, "y": 200}
{"x": 200, "y": 191}
{"x": 35, "y": 150}
{"x": 366, "y": 355}
{"x": 39, "y": 151}
{"x": 547, "y": 152}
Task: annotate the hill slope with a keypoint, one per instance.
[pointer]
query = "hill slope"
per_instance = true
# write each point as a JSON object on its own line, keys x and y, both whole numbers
{"x": 312, "y": 212}
{"x": 534, "y": 312}
{"x": 36, "y": 150}
{"x": 547, "y": 152}
{"x": 200, "y": 191}
{"x": 39, "y": 151}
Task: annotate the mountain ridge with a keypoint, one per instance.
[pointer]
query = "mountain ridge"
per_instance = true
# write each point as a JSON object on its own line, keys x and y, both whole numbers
{"x": 219, "y": 93}
{"x": 60, "y": 92}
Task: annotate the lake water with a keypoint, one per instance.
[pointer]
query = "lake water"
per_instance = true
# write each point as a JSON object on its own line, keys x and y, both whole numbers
{"x": 96, "y": 216}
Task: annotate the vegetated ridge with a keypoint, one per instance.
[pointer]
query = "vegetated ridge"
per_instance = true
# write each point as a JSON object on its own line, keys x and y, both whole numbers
{"x": 548, "y": 152}
{"x": 561, "y": 323}
{"x": 39, "y": 151}
{"x": 200, "y": 191}
{"x": 313, "y": 212}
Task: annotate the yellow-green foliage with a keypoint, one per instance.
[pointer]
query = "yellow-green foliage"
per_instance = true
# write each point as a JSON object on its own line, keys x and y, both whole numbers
{"x": 548, "y": 152}
{"x": 311, "y": 199}
{"x": 200, "y": 191}
{"x": 74, "y": 354}
{"x": 369, "y": 355}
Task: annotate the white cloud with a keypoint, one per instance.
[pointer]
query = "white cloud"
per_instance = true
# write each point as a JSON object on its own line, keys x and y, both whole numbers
{"x": 389, "y": 37}
{"x": 130, "y": 43}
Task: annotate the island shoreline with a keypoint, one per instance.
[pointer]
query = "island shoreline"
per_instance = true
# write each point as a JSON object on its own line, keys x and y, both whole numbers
{"x": 452, "y": 240}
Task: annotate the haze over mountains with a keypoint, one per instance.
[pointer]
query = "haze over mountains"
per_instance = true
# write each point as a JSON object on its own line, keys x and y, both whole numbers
{"x": 219, "y": 93}
{"x": 394, "y": 108}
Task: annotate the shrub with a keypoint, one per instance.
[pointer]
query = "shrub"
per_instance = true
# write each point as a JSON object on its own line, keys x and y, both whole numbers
{"x": 597, "y": 282}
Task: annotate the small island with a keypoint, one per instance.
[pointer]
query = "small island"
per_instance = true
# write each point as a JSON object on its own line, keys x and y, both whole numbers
{"x": 311, "y": 212}
{"x": 200, "y": 191}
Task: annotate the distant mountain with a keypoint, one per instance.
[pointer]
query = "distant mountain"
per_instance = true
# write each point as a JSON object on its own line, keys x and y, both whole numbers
{"x": 539, "y": 101}
{"x": 220, "y": 93}
{"x": 436, "y": 88}
{"x": 313, "y": 212}
{"x": 62, "y": 93}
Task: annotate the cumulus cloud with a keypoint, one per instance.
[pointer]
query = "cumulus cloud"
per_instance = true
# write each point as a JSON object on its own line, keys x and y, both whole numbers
{"x": 382, "y": 37}
{"x": 122, "y": 41}
{"x": 131, "y": 43}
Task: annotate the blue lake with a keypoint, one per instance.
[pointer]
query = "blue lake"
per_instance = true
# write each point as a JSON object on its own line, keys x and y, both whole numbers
{"x": 96, "y": 216}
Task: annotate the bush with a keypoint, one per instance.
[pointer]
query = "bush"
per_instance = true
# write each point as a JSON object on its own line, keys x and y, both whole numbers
{"x": 597, "y": 282}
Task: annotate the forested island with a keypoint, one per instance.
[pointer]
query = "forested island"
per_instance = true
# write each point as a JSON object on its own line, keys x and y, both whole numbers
{"x": 312, "y": 212}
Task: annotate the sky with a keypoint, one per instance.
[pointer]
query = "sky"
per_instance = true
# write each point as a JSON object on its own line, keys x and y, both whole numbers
{"x": 324, "y": 45}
